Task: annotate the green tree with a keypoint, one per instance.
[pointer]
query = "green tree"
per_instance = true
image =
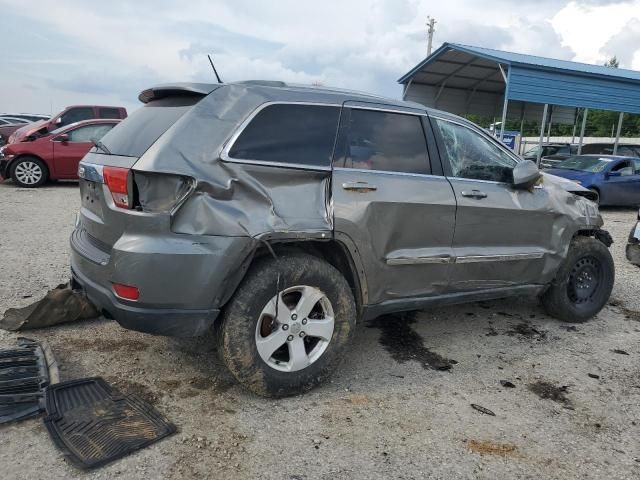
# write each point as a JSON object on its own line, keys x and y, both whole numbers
{"x": 612, "y": 62}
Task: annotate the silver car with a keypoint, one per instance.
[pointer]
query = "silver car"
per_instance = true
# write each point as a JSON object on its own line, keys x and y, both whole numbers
{"x": 280, "y": 215}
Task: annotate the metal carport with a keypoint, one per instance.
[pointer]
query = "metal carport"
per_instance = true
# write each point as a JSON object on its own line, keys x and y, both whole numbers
{"x": 464, "y": 80}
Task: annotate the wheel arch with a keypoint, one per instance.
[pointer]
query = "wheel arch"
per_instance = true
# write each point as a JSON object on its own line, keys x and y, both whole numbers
{"x": 337, "y": 252}
{"x": 23, "y": 155}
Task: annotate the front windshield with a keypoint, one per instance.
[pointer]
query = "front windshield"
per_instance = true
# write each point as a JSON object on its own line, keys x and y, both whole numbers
{"x": 584, "y": 164}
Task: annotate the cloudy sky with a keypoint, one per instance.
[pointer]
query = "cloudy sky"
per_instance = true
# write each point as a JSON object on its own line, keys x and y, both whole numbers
{"x": 57, "y": 53}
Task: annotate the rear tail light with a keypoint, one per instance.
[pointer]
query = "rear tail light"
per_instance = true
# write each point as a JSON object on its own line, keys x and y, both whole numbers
{"x": 117, "y": 181}
{"x": 126, "y": 291}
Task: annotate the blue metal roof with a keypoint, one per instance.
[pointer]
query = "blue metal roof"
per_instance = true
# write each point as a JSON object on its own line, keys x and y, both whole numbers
{"x": 511, "y": 58}
{"x": 557, "y": 82}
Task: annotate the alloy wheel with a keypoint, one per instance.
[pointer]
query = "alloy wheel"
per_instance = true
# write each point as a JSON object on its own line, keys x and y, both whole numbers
{"x": 28, "y": 173}
{"x": 295, "y": 328}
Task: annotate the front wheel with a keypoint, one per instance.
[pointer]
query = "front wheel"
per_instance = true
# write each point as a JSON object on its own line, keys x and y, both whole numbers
{"x": 583, "y": 283}
{"x": 29, "y": 172}
{"x": 288, "y": 325}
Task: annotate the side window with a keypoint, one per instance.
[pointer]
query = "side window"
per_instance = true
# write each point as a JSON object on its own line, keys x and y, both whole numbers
{"x": 89, "y": 133}
{"x": 108, "y": 113}
{"x": 625, "y": 168}
{"x": 376, "y": 140}
{"x": 76, "y": 115}
{"x": 636, "y": 166}
{"x": 471, "y": 155}
{"x": 289, "y": 133}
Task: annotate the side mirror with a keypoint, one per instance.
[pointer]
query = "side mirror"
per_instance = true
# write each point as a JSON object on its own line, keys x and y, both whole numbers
{"x": 614, "y": 174}
{"x": 525, "y": 174}
{"x": 63, "y": 137}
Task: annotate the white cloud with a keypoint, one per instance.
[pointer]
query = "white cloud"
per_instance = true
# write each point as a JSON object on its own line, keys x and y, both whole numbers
{"x": 108, "y": 51}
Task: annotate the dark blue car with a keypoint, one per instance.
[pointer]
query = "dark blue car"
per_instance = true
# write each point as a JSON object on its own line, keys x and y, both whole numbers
{"x": 615, "y": 179}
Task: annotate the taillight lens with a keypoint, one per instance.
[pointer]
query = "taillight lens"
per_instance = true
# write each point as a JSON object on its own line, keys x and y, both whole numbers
{"x": 127, "y": 292}
{"x": 117, "y": 181}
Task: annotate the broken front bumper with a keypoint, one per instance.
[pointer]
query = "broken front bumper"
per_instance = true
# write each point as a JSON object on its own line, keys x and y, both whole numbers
{"x": 633, "y": 247}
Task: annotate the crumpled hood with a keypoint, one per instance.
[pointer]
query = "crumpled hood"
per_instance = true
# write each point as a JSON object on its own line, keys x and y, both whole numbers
{"x": 568, "y": 185}
{"x": 29, "y": 129}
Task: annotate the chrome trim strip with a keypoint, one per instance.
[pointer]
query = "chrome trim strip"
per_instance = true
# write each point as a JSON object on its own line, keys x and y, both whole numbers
{"x": 224, "y": 155}
{"x": 389, "y": 110}
{"x": 90, "y": 172}
{"x": 419, "y": 260}
{"x": 480, "y": 181}
{"x": 499, "y": 258}
{"x": 386, "y": 172}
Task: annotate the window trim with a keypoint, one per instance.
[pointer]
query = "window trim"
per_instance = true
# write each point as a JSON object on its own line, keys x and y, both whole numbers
{"x": 224, "y": 155}
{"x": 482, "y": 133}
{"x": 393, "y": 111}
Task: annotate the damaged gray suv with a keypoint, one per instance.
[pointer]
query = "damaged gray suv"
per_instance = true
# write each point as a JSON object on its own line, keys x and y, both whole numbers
{"x": 278, "y": 215}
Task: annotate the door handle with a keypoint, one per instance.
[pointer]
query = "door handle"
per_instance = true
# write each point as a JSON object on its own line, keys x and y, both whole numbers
{"x": 361, "y": 187}
{"x": 474, "y": 194}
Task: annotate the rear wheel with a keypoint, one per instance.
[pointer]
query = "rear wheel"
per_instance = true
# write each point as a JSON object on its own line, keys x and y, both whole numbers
{"x": 29, "y": 172}
{"x": 583, "y": 283}
{"x": 288, "y": 325}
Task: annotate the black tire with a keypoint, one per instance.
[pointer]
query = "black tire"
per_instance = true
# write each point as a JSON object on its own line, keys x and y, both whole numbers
{"x": 583, "y": 283}
{"x": 34, "y": 165}
{"x": 238, "y": 331}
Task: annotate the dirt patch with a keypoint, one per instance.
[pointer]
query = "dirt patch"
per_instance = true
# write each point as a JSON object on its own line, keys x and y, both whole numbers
{"x": 487, "y": 447}
{"x": 548, "y": 390}
{"x": 105, "y": 345}
{"x": 130, "y": 387}
{"x": 404, "y": 344}
{"x": 630, "y": 314}
{"x": 202, "y": 383}
{"x": 527, "y": 330}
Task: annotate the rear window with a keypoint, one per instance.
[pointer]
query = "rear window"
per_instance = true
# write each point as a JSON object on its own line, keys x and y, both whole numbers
{"x": 289, "y": 133}
{"x": 108, "y": 113}
{"x": 134, "y": 135}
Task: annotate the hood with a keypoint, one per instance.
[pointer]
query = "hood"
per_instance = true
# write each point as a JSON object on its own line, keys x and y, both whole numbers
{"x": 570, "y": 174}
{"x": 28, "y": 130}
{"x": 552, "y": 178}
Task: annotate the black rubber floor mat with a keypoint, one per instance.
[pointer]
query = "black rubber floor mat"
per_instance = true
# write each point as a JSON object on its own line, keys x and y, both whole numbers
{"x": 25, "y": 371}
{"x": 94, "y": 424}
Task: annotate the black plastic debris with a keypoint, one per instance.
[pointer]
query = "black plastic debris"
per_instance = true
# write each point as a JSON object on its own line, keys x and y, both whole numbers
{"x": 593, "y": 375}
{"x": 482, "y": 409}
{"x": 60, "y": 305}
{"x": 619, "y": 352}
{"x": 25, "y": 371}
{"x": 507, "y": 384}
{"x": 94, "y": 424}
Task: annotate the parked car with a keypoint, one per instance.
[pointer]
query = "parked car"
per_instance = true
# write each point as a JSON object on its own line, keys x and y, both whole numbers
{"x": 633, "y": 246}
{"x": 29, "y": 117}
{"x": 282, "y": 214}
{"x": 624, "y": 149}
{"x": 560, "y": 155}
{"x": 549, "y": 149}
{"x": 54, "y": 156}
{"x": 69, "y": 115}
{"x": 8, "y": 125}
{"x": 615, "y": 179}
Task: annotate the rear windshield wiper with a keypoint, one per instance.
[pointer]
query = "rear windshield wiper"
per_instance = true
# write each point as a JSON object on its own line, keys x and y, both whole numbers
{"x": 101, "y": 146}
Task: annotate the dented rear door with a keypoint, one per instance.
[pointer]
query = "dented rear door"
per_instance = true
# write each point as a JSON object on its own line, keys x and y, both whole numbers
{"x": 399, "y": 214}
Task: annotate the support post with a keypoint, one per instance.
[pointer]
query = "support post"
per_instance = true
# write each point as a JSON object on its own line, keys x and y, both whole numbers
{"x": 505, "y": 105}
{"x": 575, "y": 126}
{"x": 615, "y": 145}
{"x": 582, "y": 128}
{"x": 544, "y": 119}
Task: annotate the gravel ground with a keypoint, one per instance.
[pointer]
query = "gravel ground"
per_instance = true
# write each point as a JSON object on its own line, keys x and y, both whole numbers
{"x": 389, "y": 412}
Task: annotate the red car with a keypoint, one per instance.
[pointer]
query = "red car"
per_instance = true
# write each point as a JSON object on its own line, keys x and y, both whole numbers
{"x": 54, "y": 156}
{"x": 69, "y": 115}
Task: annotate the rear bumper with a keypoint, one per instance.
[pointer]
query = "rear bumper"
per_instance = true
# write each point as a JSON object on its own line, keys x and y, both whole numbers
{"x": 157, "y": 321}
